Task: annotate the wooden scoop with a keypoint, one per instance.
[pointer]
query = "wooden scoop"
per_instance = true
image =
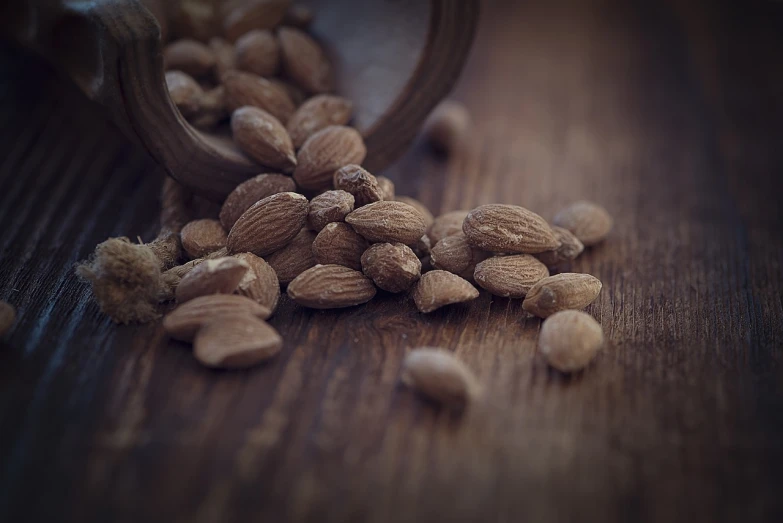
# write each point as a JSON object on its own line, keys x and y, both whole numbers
{"x": 394, "y": 59}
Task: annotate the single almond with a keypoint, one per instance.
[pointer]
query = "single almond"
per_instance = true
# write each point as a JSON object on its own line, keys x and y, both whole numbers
{"x": 196, "y": 19}
{"x": 393, "y": 267}
{"x": 258, "y": 52}
{"x": 447, "y": 127}
{"x": 201, "y": 237}
{"x": 319, "y": 112}
{"x": 218, "y": 276}
{"x": 588, "y": 221}
{"x": 263, "y": 138}
{"x": 249, "y": 192}
{"x": 568, "y": 290}
{"x": 445, "y": 225}
{"x": 357, "y": 181}
{"x": 244, "y": 89}
{"x": 388, "y": 222}
{"x": 331, "y": 287}
{"x": 569, "y": 340}
{"x": 7, "y": 317}
{"x": 339, "y": 244}
{"x": 293, "y": 259}
{"x": 304, "y": 61}
{"x": 416, "y": 204}
{"x": 510, "y": 276}
{"x": 508, "y": 228}
{"x": 328, "y": 207}
{"x": 440, "y": 376}
{"x": 260, "y": 282}
{"x": 438, "y": 288}
{"x": 183, "y": 322}
{"x": 269, "y": 224}
{"x": 387, "y": 189}
{"x": 325, "y": 152}
{"x": 225, "y": 56}
{"x": 244, "y": 16}
{"x": 185, "y": 92}
{"x": 570, "y": 248}
{"x": 236, "y": 342}
{"x": 189, "y": 56}
{"x": 456, "y": 255}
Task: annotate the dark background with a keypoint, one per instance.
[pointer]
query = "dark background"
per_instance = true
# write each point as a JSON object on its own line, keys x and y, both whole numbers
{"x": 668, "y": 113}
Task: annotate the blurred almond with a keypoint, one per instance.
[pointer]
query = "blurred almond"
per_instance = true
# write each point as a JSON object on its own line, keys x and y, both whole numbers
{"x": 244, "y": 89}
{"x": 293, "y": 259}
{"x": 328, "y": 207}
{"x": 201, "y": 237}
{"x": 388, "y": 222}
{"x": 387, "y": 190}
{"x": 440, "y": 376}
{"x": 448, "y": 126}
{"x": 360, "y": 183}
{"x": 570, "y": 248}
{"x": 304, "y": 61}
{"x": 258, "y": 52}
{"x": 189, "y": 56}
{"x": 416, "y": 204}
{"x": 331, "y": 287}
{"x": 225, "y": 56}
{"x": 244, "y": 16}
{"x": 588, "y": 221}
{"x": 508, "y": 228}
{"x": 569, "y": 340}
{"x": 299, "y": 16}
{"x": 393, "y": 267}
{"x": 319, "y": 112}
{"x": 456, "y": 255}
{"x": 568, "y": 290}
{"x": 295, "y": 93}
{"x": 263, "y": 138}
{"x": 438, "y": 288}
{"x": 339, "y": 244}
{"x": 268, "y": 225}
{"x": 325, "y": 152}
{"x": 510, "y": 276}
{"x": 445, "y": 225}
{"x": 218, "y": 276}
{"x": 185, "y": 92}
{"x": 260, "y": 282}
{"x": 183, "y": 322}
{"x": 249, "y": 192}
{"x": 236, "y": 342}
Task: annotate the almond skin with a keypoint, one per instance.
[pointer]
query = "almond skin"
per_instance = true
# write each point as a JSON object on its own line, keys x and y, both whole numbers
{"x": 189, "y": 56}
{"x": 568, "y": 290}
{"x": 236, "y": 342}
{"x": 339, "y": 244}
{"x": 259, "y": 283}
{"x": 388, "y": 222}
{"x": 319, "y": 112}
{"x": 201, "y": 237}
{"x": 440, "y": 376}
{"x": 388, "y": 192}
{"x": 510, "y": 276}
{"x": 249, "y": 192}
{"x": 293, "y": 259}
{"x": 328, "y": 207}
{"x": 445, "y": 225}
{"x": 268, "y": 225}
{"x": 218, "y": 276}
{"x": 185, "y": 92}
{"x": 357, "y": 181}
{"x": 393, "y": 267}
{"x": 569, "y": 340}
{"x": 247, "y": 15}
{"x": 588, "y": 221}
{"x": 508, "y": 228}
{"x": 262, "y": 137}
{"x": 244, "y": 89}
{"x": 438, "y": 288}
{"x": 570, "y": 248}
{"x": 456, "y": 255}
{"x": 325, "y": 152}
{"x": 258, "y": 52}
{"x": 331, "y": 287}
{"x": 416, "y": 204}
{"x": 183, "y": 322}
{"x": 304, "y": 61}
{"x": 7, "y": 317}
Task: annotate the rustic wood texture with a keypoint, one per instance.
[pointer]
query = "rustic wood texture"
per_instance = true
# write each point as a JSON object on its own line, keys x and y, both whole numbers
{"x": 669, "y": 114}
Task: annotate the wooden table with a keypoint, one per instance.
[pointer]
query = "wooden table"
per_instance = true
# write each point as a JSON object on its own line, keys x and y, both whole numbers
{"x": 669, "y": 115}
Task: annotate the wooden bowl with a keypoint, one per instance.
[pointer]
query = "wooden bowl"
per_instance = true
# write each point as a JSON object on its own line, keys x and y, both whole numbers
{"x": 394, "y": 59}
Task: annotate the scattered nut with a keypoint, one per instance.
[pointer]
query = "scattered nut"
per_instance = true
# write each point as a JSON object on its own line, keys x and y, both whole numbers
{"x": 293, "y": 259}
{"x": 269, "y": 224}
{"x": 456, "y": 255}
{"x": 588, "y": 221}
{"x": 560, "y": 292}
{"x": 201, "y": 237}
{"x": 393, "y": 267}
{"x": 247, "y": 89}
{"x": 440, "y": 376}
{"x": 445, "y": 225}
{"x": 258, "y": 52}
{"x": 249, "y": 192}
{"x": 236, "y": 342}
{"x": 262, "y": 137}
{"x": 260, "y": 282}
{"x": 304, "y": 61}
{"x": 360, "y": 183}
{"x": 189, "y": 56}
{"x": 447, "y": 126}
{"x": 185, "y": 321}
{"x": 438, "y": 288}
{"x": 569, "y": 340}
{"x": 339, "y": 244}
{"x": 325, "y": 152}
{"x": 218, "y": 276}
{"x": 510, "y": 276}
{"x": 508, "y": 228}
{"x": 331, "y": 287}
{"x": 328, "y": 207}
{"x": 388, "y": 222}
{"x": 317, "y": 113}
{"x": 570, "y": 248}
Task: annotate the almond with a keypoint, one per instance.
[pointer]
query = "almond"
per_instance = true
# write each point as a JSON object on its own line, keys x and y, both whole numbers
{"x": 393, "y": 267}
{"x": 247, "y": 15}
{"x": 319, "y": 112}
{"x": 201, "y": 237}
{"x": 387, "y": 189}
{"x": 185, "y": 92}
{"x": 328, "y": 207}
{"x": 258, "y": 52}
{"x": 212, "y": 109}
{"x": 195, "y": 19}
{"x": 508, "y": 228}
{"x": 7, "y": 317}
{"x": 416, "y": 204}
{"x": 236, "y": 342}
{"x": 388, "y": 222}
{"x": 225, "y": 56}
{"x": 339, "y": 244}
{"x": 568, "y": 290}
{"x": 263, "y": 138}
{"x": 304, "y": 61}
{"x": 183, "y": 322}
{"x": 218, "y": 276}
{"x": 570, "y": 248}
{"x": 588, "y": 221}
{"x": 268, "y": 225}
{"x": 293, "y": 259}
{"x": 294, "y": 92}
{"x": 510, "y": 276}
{"x": 445, "y": 225}
{"x": 189, "y": 56}
{"x": 244, "y": 89}
{"x": 440, "y": 376}
{"x": 249, "y": 192}
{"x": 355, "y": 180}
{"x": 325, "y": 152}
{"x": 260, "y": 282}
{"x": 569, "y": 340}
{"x": 331, "y": 287}
{"x": 456, "y": 255}
{"x": 423, "y": 247}
{"x": 438, "y": 288}
{"x": 448, "y": 125}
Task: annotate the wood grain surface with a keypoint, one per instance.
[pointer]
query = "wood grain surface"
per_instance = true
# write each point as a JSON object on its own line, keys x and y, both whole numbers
{"x": 670, "y": 114}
